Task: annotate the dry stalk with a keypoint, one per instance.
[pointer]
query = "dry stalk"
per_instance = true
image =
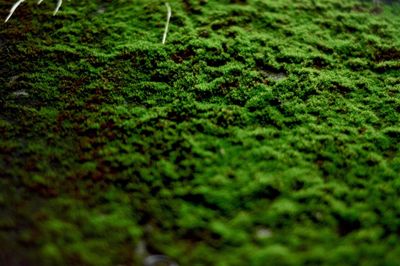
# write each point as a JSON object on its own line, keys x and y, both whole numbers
{"x": 19, "y": 2}
{"x": 169, "y": 13}
{"x": 13, "y": 8}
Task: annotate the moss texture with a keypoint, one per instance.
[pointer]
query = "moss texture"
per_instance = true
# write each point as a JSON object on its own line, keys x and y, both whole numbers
{"x": 263, "y": 133}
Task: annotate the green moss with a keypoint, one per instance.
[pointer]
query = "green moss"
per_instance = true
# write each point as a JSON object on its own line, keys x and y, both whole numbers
{"x": 262, "y": 133}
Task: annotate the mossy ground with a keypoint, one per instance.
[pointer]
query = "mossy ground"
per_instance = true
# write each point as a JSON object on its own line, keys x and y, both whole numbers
{"x": 263, "y": 133}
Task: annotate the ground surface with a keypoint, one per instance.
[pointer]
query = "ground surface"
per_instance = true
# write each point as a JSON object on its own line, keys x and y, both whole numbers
{"x": 263, "y": 133}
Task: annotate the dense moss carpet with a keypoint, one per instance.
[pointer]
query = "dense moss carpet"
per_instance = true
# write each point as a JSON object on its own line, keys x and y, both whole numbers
{"x": 263, "y": 132}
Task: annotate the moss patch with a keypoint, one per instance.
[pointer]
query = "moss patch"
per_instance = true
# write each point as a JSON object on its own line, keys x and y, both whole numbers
{"x": 262, "y": 133}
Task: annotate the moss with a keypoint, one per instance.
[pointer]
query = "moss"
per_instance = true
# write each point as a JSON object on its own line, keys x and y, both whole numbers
{"x": 262, "y": 133}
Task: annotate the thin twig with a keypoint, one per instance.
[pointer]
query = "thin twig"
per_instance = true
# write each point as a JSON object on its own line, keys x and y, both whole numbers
{"x": 15, "y": 6}
{"x": 39, "y": 2}
{"x": 167, "y": 24}
{"x": 59, "y": 3}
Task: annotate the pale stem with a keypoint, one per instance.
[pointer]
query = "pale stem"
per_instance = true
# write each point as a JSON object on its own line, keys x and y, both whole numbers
{"x": 15, "y": 6}
{"x": 59, "y": 3}
{"x": 169, "y": 12}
